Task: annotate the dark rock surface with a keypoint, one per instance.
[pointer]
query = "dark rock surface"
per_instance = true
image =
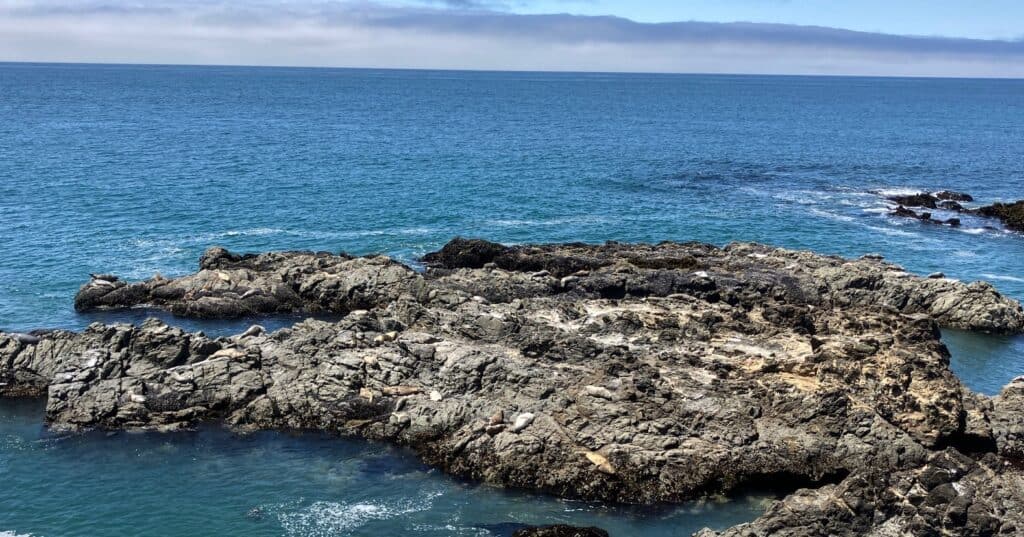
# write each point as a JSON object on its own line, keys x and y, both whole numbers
{"x": 560, "y": 530}
{"x": 951, "y": 494}
{"x": 1010, "y": 214}
{"x": 632, "y": 373}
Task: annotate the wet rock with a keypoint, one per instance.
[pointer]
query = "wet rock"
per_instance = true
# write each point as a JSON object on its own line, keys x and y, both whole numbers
{"x": 922, "y": 199}
{"x": 560, "y": 530}
{"x": 1010, "y": 214}
{"x": 949, "y": 195}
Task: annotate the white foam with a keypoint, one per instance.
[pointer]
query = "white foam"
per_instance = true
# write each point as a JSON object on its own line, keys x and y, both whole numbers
{"x": 14, "y": 534}
{"x": 972, "y": 230}
{"x": 259, "y": 231}
{"x": 899, "y": 191}
{"x": 338, "y": 518}
{"x": 500, "y": 222}
{"x": 832, "y": 216}
{"x": 1002, "y": 278}
{"x": 893, "y": 232}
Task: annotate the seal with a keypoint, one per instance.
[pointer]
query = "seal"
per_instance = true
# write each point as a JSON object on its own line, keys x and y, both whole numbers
{"x": 26, "y": 339}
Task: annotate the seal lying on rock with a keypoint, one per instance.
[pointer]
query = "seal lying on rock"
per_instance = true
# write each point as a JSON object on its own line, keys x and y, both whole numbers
{"x": 639, "y": 381}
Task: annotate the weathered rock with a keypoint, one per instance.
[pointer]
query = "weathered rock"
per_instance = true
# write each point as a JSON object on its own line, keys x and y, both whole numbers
{"x": 922, "y": 199}
{"x": 1011, "y": 214}
{"x": 230, "y": 285}
{"x": 949, "y": 195}
{"x": 949, "y": 495}
{"x": 660, "y": 373}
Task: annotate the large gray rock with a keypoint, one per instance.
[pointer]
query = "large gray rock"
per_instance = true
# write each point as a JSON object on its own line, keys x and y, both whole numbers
{"x": 630, "y": 373}
{"x": 230, "y": 285}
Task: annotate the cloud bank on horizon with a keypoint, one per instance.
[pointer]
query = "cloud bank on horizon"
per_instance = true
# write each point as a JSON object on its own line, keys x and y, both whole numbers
{"x": 467, "y": 34}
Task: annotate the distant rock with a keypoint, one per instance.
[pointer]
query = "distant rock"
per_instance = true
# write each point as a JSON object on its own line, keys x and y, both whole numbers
{"x": 1011, "y": 214}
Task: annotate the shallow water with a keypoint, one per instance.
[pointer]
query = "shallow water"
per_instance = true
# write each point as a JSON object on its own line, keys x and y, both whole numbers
{"x": 212, "y": 482}
{"x": 135, "y": 170}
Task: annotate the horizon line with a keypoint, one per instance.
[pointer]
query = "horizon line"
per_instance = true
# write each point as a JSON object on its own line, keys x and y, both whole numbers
{"x": 512, "y": 71}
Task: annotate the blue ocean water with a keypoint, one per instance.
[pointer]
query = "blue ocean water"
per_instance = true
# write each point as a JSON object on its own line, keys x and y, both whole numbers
{"x": 136, "y": 169}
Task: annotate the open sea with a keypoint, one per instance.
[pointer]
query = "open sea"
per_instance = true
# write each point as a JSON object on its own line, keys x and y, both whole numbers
{"x": 137, "y": 169}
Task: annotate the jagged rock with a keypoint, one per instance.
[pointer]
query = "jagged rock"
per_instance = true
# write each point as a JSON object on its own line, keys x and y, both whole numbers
{"x": 922, "y": 199}
{"x": 1011, "y": 214}
{"x": 740, "y": 274}
{"x": 230, "y": 285}
{"x": 662, "y": 373}
{"x": 950, "y": 494}
{"x": 949, "y": 195}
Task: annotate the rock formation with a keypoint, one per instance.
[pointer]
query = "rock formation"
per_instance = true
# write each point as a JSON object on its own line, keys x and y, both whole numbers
{"x": 1010, "y": 214}
{"x": 630, "y": 373}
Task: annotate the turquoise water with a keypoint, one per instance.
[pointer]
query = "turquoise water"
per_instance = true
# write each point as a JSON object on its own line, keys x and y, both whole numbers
{"x": 134, "y": 170}
{"x": 211, "y": 482}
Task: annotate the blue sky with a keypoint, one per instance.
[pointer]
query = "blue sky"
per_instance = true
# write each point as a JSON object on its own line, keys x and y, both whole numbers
{"x": 983, "y": 19}
{"x": 837, "y": 37}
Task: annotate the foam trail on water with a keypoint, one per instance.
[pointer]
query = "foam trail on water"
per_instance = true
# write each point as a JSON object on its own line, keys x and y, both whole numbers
{"x": 1001, "y": 277}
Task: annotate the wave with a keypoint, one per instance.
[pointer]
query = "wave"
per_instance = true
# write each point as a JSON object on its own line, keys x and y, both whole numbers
{"x": 326, "y": 518}
{"x": 548, "y": 222}
{"x": 14, "y": 534}
{"x": 1001, "y": 277}
{"x": 898, "y": 191}
{"x": 831, "y": 215}
{"x": 893, "y": 232}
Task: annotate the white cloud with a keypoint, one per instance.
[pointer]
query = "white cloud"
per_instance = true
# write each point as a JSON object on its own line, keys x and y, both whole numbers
{"x": 358, "y": 34}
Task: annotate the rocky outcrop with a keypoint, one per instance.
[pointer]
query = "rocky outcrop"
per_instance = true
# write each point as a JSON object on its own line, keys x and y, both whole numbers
{"x": 1010, "y": 214}
{"x": 740, "y": 274}
{"x": 631, "y": 373}
{"x": 951, "y": 494}
{"x": 229, "y": 285}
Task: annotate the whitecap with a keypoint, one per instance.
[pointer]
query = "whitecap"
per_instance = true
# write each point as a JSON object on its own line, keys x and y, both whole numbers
{"x": 893, "y": 232}
{"x": 832, "y": 216}
{"x": 259, "y": 231}
{"x": 1002, "y": 278}
{"x": 326, "y": 518}
{"x": 14, "y": 534}
{"x": 877, "y": 210}
{"x": 898, "y": 191}
{"x": 972, "y": 230}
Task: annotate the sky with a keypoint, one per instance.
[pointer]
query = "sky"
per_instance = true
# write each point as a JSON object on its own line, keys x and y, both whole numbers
{"x": 979, "y": 38}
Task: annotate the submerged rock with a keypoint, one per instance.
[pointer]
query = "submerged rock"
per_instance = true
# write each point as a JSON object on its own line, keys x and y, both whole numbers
{"x": 1010, "y": 214}
{"x": 659, "y": 373}
{"x": 560, "y": 530}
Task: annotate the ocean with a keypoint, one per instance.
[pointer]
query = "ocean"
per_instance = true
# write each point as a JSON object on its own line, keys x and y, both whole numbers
{"x": 137, "y": 169}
